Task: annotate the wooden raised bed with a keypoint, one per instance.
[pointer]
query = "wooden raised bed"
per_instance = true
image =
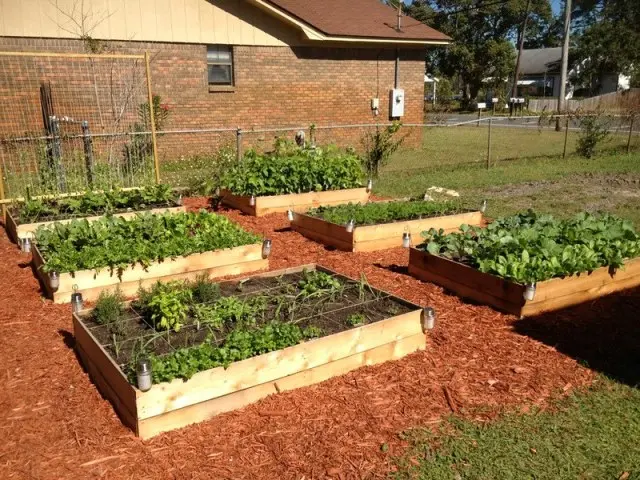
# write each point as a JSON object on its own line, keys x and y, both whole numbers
{"x": 367, "y": 238}
{"x": 26, "y": 230}
{"x": 167, "y": 406}
{"x": 296, "y": 201}
{"x": 508, "y": 296}
{"x": 218, "y": 263}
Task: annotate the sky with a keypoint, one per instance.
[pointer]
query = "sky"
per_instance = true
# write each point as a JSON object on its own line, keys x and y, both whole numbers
{"x": 555, "y": 5}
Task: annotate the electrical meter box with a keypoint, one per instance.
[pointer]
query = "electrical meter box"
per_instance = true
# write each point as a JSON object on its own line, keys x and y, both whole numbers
{"x": 396, "y": 99}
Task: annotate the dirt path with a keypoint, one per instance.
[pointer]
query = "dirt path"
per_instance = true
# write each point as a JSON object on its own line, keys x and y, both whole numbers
{"x": 55, "y": 424}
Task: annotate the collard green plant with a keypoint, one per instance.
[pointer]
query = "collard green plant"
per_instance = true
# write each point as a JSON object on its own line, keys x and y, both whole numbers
{"x": 529, "y": 248}
{"x": 293, "y": 170}
{"x": 94, "y": 203}
{"x": 386, "y": 212}
{"x": 118, "y": 243}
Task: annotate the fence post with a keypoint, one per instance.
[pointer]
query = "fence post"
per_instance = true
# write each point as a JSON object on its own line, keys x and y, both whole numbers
{"x": 479, "y": 115}
{"x": 566, "y": 135}
{"x": 630, "y": 132}
{"x": 56, "y": 153}
{"x": 4, "y": 207}
{"x": 88, "y": 151}
{"x": 239, "y": 144}
{"x": 152, "y": 117}
{"x": 489, "y": 145}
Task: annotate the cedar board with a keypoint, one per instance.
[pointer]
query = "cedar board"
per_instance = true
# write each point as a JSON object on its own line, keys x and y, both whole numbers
{"x": 218, "y": 263}
{"x": 368, "y": 238}
{"x": 507, "y": 296}
{"x": 168, "y": 406}
{"x": 298, "y": 202}
{"x": 17, "y": 231}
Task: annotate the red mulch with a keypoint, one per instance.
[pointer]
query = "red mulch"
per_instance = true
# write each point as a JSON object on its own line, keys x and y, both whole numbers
{"x": 55, "y": 424}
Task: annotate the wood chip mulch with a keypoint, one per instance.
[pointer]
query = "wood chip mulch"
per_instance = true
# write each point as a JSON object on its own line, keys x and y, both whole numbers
{"x": 478, "y": 362}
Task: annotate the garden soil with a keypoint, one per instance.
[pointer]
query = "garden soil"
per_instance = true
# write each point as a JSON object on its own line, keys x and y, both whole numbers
{"x": 478, "y": 362}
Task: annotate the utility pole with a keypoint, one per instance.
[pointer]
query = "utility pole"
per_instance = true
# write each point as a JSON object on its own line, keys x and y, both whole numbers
{"x": 514, "y": 92}
{"x": 565, "y": 62}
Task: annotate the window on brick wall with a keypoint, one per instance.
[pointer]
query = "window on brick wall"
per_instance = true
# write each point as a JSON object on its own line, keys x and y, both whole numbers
{"x": 220, "y": 64}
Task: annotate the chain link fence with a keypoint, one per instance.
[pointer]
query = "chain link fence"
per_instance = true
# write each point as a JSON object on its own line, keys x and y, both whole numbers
{"x": 72, "y": 122}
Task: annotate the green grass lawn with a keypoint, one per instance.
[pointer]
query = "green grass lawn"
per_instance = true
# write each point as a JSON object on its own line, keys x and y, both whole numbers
{"x": 594, "y": 434}
{"x": 609, "y": 182}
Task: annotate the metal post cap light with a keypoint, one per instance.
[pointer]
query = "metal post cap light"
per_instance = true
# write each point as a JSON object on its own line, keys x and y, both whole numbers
{"x": 26, "y": 245}
{"x": 143, "y": 371}
{"x": 406, "y": 239}
{"x": 252, "y": 201}
{"x": 77, "y": 303}
{"x": 266, "y": 248}
{"x": 290, "y": 215}
{"x": 428, "y": 318}
{"x": 369, "y": 185}
{"x": 351, "y": 225}
{"x": 483, "y": 206}
{"x": 54, "y": 281}
{"x": 529, "y": 291}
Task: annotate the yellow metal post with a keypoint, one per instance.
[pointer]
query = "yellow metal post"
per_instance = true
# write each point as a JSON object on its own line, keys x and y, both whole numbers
{"x": 152, "y": 118}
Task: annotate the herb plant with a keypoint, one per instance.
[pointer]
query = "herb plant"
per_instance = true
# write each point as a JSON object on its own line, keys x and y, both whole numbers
{"x": 109, "y": 307}
{"x": 356, "y": 319}
{"x": 294, "y": 170}
{"x": 529, "y": 247}
{"x": 386, "y": 212}
{"x": 118, "y": 243}
{"x": 95, "y": 203}
{"x": 316, "y": 283}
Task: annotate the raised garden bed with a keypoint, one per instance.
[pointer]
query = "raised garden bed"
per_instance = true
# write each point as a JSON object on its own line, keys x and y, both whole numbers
{"x": 533, "y": 264}
{"x": 291, "y": 178}
{"x": 250, "y": 339}
{"x": 24, "y": 218}
{"x": 128, "y": 253}
{"x": 380, "y": 225}
{"x": 298, "y": 202}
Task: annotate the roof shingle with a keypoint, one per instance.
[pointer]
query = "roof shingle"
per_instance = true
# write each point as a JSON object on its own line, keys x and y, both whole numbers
{"x": 357, "y": 18}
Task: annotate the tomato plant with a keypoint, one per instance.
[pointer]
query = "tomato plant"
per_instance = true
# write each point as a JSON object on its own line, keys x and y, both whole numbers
{"x": 294, "y": 170}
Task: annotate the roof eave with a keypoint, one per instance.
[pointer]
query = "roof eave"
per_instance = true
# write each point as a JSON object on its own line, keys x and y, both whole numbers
{"x": 316, "y": 35}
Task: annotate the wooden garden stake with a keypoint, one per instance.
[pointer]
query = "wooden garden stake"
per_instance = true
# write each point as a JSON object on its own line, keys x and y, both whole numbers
{"x": 152, "y": 117}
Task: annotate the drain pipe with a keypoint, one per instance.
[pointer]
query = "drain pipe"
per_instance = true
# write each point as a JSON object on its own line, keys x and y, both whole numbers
{"x": 396, "y": 80}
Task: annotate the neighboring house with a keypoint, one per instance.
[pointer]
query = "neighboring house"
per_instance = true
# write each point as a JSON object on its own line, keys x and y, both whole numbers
{"x": 227, "y": 63}
{"x": 540, "y": 72}
{"x": 540, "y": 75}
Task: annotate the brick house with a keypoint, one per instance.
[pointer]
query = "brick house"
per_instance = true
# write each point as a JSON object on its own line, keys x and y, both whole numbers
{"x": 217, "y": 63}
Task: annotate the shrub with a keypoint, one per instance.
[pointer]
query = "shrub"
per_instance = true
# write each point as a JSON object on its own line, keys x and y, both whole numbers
{"x": 379, "y": 145}
{"x": 594, "y": 129}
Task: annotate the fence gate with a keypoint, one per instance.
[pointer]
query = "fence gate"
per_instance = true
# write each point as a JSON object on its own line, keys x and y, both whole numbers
{"x": 71, "y": 122}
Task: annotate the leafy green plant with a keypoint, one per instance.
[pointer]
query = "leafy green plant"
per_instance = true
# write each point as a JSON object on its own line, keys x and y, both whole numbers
{"x": 316, "y": 283}
{"x": 386, "y": 212}
{"x": 240, "y": 344}
{"x": 529, "y": 248}
{"x": 293, "y": 170}
{"x": 109, "y": 307}
{"x": 356, "y": 319}
{"x": 94, "y": 203}
{"x": 168, "y": 308}
{"x": 379, "y": 146}
{"x": 118, "y": 243}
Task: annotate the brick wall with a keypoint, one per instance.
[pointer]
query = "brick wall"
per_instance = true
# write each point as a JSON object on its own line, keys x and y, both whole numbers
{"x": 274, "y": 87}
